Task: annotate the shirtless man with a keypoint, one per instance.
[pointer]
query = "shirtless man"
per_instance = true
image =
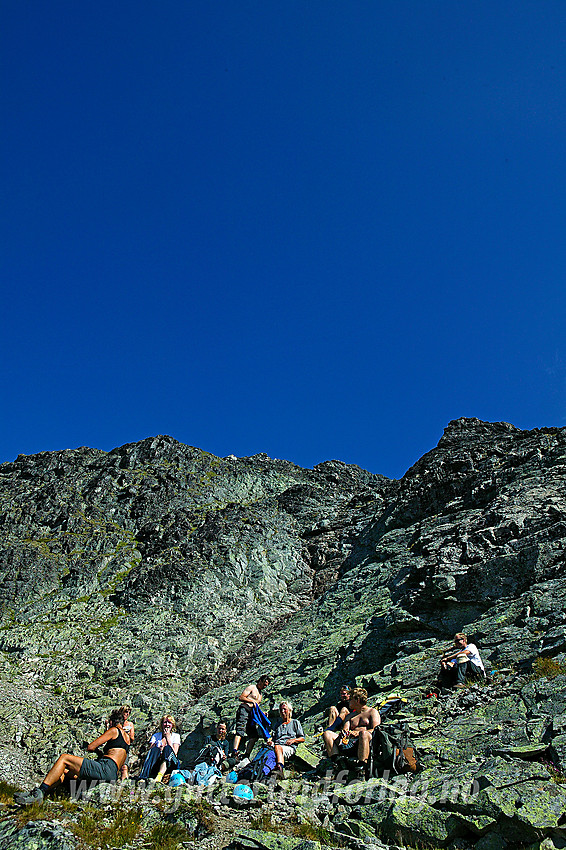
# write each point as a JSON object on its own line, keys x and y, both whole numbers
{"x": 250, "y": 696}
{"x": 356, "y": 732}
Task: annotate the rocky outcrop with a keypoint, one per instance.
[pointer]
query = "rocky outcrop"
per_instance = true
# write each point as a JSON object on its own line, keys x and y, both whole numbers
{"x": 163, "y": 576}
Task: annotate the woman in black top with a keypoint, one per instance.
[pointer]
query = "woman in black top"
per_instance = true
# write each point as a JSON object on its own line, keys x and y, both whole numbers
{"x": 105, "y": 768}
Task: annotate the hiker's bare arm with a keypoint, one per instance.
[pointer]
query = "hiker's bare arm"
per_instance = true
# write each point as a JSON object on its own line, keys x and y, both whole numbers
{"x": 107, "y": 736}
{"x": 295, "y": 741}
{"x": 451, "y": 652}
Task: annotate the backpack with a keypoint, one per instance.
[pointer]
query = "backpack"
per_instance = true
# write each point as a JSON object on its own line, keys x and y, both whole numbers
{"x": 203, "y": 774}
{"x": 260, "y": 767}
{"x": 211, "y": 754}
{"x": 392, "y": 750}
{"x": 391, "y": 705}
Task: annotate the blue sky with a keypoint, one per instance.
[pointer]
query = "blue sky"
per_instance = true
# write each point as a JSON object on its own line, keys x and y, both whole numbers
{"x": 314, "y": 229}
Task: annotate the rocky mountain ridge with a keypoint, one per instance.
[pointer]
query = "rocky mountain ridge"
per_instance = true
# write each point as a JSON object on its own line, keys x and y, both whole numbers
{"x": 161, "y": 575}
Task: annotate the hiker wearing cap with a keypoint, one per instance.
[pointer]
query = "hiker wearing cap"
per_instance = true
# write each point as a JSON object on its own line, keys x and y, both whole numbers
{"x": 460, "y": 661}
{"x": 357, "y": 732}
{"x": 250, "y": 696}
{"x": 342, "y": 708}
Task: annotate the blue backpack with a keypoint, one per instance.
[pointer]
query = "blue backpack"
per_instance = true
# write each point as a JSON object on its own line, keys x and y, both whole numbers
{"x": 260, "y": 767}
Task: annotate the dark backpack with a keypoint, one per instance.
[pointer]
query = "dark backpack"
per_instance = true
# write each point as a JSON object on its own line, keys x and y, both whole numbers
{"x": 392, "y": 750}
{"x": 260, "y": 767}
{"x": 210, "y": 754}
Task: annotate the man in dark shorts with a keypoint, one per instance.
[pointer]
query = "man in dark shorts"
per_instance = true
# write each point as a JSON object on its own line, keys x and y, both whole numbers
{"x": 250, "y": 696}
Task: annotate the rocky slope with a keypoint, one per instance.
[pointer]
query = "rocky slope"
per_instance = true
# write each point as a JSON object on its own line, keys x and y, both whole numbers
{"x": 160, "y": 575}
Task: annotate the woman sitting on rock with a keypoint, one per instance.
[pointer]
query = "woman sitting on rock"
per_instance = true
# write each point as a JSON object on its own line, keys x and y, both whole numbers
{"x": 129, "y": 728}
{"x": 164, "y": 746}
{"x": 105, "y": 768}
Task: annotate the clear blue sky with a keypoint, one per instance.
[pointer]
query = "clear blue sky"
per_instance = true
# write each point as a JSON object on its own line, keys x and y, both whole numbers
{"x": 317, "y": 229}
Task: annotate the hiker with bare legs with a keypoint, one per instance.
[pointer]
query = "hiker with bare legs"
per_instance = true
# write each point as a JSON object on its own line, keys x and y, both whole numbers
{"x": 250, "y": 696}
{"x": 287, "y": 734}
{"x": 105, "y": 768}
{"x": 356, "y": 734}
{"x": 342, "y": 708}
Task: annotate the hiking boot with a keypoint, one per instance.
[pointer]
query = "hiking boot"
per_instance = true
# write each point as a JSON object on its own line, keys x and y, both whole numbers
{"x": 27, "y": 798}
{"x": 359, "y": 771}
{"x": 277, "y": 772}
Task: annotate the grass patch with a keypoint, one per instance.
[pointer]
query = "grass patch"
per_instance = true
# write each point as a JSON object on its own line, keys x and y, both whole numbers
{"x": 92, "y": 832}
{"x": 7, "y": 792}
{"x": 555, "y": 773}
{"x": 314, "y": 832}
{"x": 167, "y": 836}
{"x": 37, "y": 811}
{"x": 203, "y": 812}
{"x": 547, "y": 668}
{"x": 264, "y": 823}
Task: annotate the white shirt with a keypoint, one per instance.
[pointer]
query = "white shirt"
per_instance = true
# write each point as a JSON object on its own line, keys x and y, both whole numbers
{"x": 157, "y": 736}
{"x": 474, "y": 655}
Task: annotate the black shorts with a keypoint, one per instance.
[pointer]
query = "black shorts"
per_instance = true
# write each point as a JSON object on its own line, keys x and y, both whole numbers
{"x": 243, "y": 720}
{"x": 104, "y": 769}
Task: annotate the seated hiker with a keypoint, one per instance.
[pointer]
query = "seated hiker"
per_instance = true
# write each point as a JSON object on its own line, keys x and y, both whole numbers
{"x": 129, "y": 728}
{"x": 105, "y": 768}
{"x": 356, "y": 734}
{"x": 163, "y": 748}
{"x": 218, "y": 742}
{"x": 460, "y": 662}
{"x": 287, "y": 733}
{"x": 342, "y": 709}
{"x": 250, "y": 696}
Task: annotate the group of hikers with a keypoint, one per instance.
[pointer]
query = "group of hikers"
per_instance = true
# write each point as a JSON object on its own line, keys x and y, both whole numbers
{"x": 351, "y": 725}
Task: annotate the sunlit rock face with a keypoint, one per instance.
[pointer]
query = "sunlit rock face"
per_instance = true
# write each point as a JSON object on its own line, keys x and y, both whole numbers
{"x": 161, "y": 575}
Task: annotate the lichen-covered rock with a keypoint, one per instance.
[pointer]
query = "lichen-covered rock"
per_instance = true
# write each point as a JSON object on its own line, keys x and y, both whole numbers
{"x": 35, "y": 835}
{"x": 160, "y": 575}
